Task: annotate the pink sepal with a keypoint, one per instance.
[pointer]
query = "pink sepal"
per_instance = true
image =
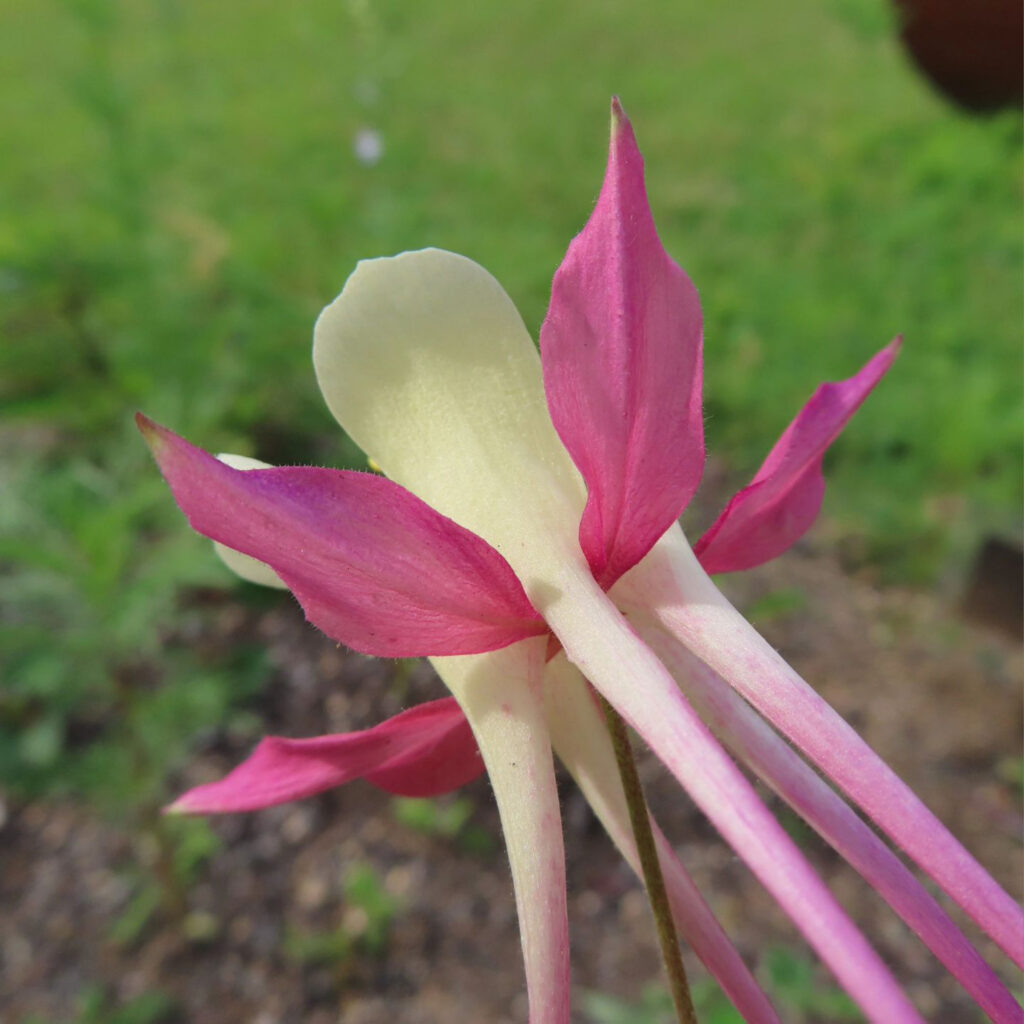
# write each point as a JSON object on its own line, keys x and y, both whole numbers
{"x": 623, "y": 369}
{"x": 425, "y": 751}
{"x": 777, "y": 508}
{"x": 371, "y": 564}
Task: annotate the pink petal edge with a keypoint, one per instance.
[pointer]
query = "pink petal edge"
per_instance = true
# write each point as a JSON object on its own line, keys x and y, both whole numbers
{"x": 781, "y": 503}
{"x": 372, "y": 565}
{"x": 425, "y": 751}
{"x": 623, "y": 369}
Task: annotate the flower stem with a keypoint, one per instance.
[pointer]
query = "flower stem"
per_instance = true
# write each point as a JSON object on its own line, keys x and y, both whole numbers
{"x": 650, "y": 865}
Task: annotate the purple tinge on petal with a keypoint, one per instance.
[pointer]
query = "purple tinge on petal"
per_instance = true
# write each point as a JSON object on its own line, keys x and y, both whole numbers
{"x": 623, "y": 369}
{"x": 777, "y": 508}
{"x": 425, "y": 751}
{"x": 776, "y": 763}
{"x": 371, "y": 564}
{"x": 728, "y": 645}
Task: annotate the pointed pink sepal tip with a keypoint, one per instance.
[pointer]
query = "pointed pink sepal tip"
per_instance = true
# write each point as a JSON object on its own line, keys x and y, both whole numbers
{"x": 425, "y": 751}
{"x": 622, "y": 348}
{"x": 781, "y": 503}
{"x": 151, "y": 431}
{"x": 619, "y": 117}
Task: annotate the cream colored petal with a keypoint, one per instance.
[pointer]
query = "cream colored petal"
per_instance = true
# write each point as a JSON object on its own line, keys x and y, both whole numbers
{"x": 501, "y": 695}
{"x": 242, "y": 461}
{"x": 428, "y": 366}
{"x": 250, "y": 569}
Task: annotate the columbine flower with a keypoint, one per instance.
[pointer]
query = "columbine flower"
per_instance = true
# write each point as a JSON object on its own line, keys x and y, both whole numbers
{"x": 531, "y": 549}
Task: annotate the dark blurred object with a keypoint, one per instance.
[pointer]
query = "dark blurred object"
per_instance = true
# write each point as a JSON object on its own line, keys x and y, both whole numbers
{"x": 971, "y": 50}
{"x": 995, "y": 591}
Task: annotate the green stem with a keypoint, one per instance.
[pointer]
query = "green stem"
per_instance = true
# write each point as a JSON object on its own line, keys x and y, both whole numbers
{"x": 650, "y": 865}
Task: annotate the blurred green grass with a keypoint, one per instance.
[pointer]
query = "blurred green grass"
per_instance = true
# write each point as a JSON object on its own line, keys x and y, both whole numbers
{"x": 180, "y": 195}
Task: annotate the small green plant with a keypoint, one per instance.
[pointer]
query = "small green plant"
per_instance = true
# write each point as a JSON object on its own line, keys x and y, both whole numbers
{"x": 96, "y": 1007}
{"x": 796, "y": 984}
{"x": 316, "y": 949}
{"x": 174, "y": 850}
{"x": 148, "y": 1008}
{"x": 798, "y": 830}
{"x": 791, "y": 979}
{"x": 654, "y": 1007}
{"x": 712, "y": 1004}
{"x": 779, "y": 604}
{"x": 446, "y": 819}
{"x": 1011, "y": 771}
{"x": 365, "y": 891}
{"x": 369, "y": 913}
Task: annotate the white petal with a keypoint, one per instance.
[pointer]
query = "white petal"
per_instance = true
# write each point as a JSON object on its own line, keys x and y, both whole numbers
{"x": 242, "y": 461}
{"x": 501, "y": 695}
{"x": 427, "y": 365}
{"x": 250, "y": 569}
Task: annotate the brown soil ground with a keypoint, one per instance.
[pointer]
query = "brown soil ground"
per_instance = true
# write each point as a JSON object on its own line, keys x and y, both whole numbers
{"x": 939, "y": 698}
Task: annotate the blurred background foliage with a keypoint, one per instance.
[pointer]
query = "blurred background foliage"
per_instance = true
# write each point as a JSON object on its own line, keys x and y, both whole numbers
{"x": 184, "y": 187}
